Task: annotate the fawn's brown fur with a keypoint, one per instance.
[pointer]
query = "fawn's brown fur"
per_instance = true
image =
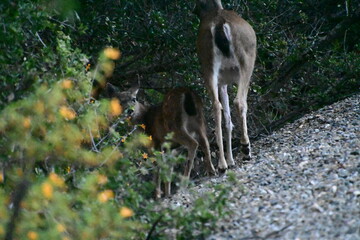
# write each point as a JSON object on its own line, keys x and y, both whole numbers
{"x": 180, "y": 113}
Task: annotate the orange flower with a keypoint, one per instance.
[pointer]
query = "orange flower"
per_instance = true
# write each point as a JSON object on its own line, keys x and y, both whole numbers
{"x": 104, "y": 196}
{"x": 47, "y": 190}
{"x": 56, "y": 180}
{"x": 126, "y": 212}
{"x": 1, "y": 177}
{"x": 51, "y": 118}
{"x": 66, "y": 84}
{"x": 150, "y": 138}
{"x": 115, "y": 107}
{"x": 27, "y": 122}
{"x": 145, "y": 155}
{"x": 108, "y": 68}
{"x": 19, "y": 172}
{"x": 88, "y": 67}
{"x": 61, "y": 228}
{"x": 39, "y": 107}
{"x": 102, "y": 179}
{"x": 112, "y": 53}
{"x": 67, "y": 113}
{"x": 32, "y": 235}
{"x": 142, "y": 126}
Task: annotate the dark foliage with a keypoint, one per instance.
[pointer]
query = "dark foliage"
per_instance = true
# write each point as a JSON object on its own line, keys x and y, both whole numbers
{"x": 308, "y": 56}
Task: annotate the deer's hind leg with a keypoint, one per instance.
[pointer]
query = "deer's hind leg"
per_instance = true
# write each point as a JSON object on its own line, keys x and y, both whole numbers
{"x": 241, "y": 107}
{"x": 224, "y": 97}
{"x": 157, "y": 180}
{"x": 212, "y": 86}
{"x": 185, "y": 139}
{"x": 167, "y": 185}
{"x": 205, "y": 147}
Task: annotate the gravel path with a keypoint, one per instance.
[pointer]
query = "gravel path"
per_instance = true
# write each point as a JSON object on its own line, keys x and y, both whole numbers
{"x": 302, "y": 183}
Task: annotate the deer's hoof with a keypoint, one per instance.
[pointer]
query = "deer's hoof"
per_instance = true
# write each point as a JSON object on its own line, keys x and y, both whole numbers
{"x": 222, "y": 171}
{"x": 211, "y": 172}
{"x": 232, "y": 166}
{"x": 245, "y": 149}
{"x": 246, "y": 159}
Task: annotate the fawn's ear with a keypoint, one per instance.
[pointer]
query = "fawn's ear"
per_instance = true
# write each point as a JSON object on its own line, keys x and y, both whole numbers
{"x": 110, "y": 90}
{"x": 134, "y": 91}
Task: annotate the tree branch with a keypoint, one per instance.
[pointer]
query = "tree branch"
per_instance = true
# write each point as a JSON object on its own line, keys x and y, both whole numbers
{"x": 288, "y": 69}
{"x": 19, "y": 195}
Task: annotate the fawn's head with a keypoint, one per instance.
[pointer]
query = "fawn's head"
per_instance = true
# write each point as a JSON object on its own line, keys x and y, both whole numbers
{"x": 205, "y": 6}
{"x": 127, "y": 98}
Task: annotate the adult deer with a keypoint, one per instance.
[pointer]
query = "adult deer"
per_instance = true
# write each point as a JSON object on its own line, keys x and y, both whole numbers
{"x": 180, "y": 113}
{"x": 226, "y": 47}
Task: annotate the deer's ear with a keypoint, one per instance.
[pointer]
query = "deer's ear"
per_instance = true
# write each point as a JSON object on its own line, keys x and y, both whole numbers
{"x": 197, "y": 8}
{"x": 134, "y": 91}
{"x": 110, "y": 90}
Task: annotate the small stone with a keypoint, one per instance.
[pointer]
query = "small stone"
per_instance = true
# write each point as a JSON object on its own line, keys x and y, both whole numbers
{"x": 343, "y": 173}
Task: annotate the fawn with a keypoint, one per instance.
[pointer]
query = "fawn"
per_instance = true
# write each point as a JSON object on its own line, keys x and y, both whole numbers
{"x": 180, "y": 113}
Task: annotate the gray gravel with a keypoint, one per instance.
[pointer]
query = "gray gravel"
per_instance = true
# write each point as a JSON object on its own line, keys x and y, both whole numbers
{"x": 302, "y": 183}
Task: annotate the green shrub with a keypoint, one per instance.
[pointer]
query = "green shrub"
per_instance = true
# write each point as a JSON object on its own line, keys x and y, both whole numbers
{"x": 87, "y": 173}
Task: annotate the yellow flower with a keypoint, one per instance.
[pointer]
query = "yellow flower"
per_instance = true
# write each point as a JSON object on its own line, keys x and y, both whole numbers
{"x": 150, "y": 138}
{"x": 145, "y": 155}
{"x": 68, "y": 169}
{"x": 56, "y": 180}
{"x": 67, "y": 113}
{"x": 24, "y": 205}
{"x": 88, "y": 67}
{"x": 51, "y": 118}
{"x": 123, "y": 140}
{"x": 108, "y": 68}
{"x": 143, "y": 126}
{"x": 19, "y": 172}
{"x": 61, "y": 228}
{"x": 105, "y": 195}
{"x": 27, "y": 122}
{"x": 126, "y": 212}
{"x": 112, "y": 53}
{"x": 39, "y": 107}
{"x": 66, "y": 84}
{"x": 1, "y": 177}
{"x": 102, "y": 179}
{"x": 32, "y": 235}
{"x": 115, "y": 107}
{"x": 47, "y": 190}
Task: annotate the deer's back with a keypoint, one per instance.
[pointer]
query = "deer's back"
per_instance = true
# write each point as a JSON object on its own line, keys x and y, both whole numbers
{"x": 243, "y": 37}
{"x": 180, "y": 110}
{"x": 180, "y": 106}
{"x": 153, "y": 120}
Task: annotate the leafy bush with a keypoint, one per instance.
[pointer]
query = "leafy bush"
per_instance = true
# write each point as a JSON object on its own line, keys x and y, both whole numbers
{"x": 73, "y": 168}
